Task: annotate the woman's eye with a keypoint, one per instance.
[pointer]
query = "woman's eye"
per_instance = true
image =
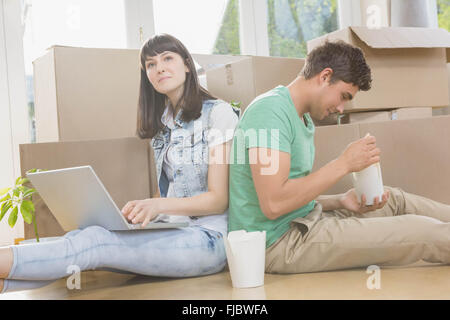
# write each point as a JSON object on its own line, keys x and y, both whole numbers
{"x": 168, "y": 58}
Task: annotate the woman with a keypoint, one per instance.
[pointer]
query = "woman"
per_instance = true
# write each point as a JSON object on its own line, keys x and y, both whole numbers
{"x": 190, "y": 133}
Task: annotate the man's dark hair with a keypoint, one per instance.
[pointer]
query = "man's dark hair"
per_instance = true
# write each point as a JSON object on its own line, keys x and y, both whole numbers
{"x": 346, "y": 61}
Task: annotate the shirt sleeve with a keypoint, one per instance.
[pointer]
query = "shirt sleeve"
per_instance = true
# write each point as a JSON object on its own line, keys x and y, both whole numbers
{"x": 223, "y": 123}
{"x": 267, "y": 125}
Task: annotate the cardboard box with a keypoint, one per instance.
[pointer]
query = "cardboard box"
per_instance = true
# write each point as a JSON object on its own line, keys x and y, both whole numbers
{"x": 86, "y": 93}
{"x": 206, "y": 62}
{"x": 358, "y": 117}
{"x": 408, "y": 66}
{"x": 397, "y": 114}
{"x": 330, "y": 142}
{"x": 411, "y": 113}
{"x": 444, "y": 110}
{"x": 245, "y": 79}
{"x": 376, "y": 116}
{"x": 124, "y": 165}
{"x": 414, "y": 154}
{"x": 212, "y": 61}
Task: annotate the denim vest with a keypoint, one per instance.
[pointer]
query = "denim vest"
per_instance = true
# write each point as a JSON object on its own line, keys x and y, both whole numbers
{"x": 190, "y": 168}
{"x": 191, "y": 145}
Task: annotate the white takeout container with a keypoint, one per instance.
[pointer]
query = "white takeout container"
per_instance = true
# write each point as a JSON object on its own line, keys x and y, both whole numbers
{"x": 369, "y": 182}
{"x": 246, "y": 254}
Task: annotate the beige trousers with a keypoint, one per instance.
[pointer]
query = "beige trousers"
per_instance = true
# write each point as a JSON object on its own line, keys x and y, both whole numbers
{"x": 407, "y": 229}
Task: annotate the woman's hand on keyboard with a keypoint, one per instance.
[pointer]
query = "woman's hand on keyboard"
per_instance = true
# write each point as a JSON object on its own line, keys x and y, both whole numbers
{"x": 144, "y": 211}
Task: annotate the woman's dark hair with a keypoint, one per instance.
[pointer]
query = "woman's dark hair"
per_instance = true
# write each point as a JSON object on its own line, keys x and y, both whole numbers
{"x": 346, "y": 61}
{"x": 151, "y": 103}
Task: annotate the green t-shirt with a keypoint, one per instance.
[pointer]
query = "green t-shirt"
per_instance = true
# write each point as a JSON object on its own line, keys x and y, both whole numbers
{"x": 270, "y": 121}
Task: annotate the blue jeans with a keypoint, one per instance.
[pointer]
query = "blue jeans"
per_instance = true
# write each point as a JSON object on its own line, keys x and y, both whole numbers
{"x": 184, "y": 252}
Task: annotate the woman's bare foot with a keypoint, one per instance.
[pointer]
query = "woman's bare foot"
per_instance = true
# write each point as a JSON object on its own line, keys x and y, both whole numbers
{"x": 6, "y": 262}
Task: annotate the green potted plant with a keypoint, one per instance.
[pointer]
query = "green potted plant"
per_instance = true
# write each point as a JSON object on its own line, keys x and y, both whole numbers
{"x": 19, "y": 199}
{"x": 236, "y": 104}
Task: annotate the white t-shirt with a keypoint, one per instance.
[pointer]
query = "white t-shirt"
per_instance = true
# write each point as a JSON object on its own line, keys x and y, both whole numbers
{"x": 223, "y": 123}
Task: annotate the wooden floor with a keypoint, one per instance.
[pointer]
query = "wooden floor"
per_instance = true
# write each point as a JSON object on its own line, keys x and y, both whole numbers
{"x": 417, "y": 281}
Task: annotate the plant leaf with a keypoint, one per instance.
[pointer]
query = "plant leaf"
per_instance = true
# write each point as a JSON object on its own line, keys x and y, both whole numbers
{"x": 4, "y": 190}
{"x": 5, "y": 197}
{"x": 28, "y": 205}
{"x": 25, "y": 209}
{"x": 28, "y": 192}
{"x": 13, "y": 217}
{"x": 4, "y": 209}
{"x": 22, "y": 181}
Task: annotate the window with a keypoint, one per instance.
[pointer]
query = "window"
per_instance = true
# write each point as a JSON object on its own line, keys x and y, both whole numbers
{"x": 203, "y": 26}
{"x": 443, "y": 7}
{"x": 291, "y": 23}
{"x": 81, "y": 23}
{"x": 227, "y": 41}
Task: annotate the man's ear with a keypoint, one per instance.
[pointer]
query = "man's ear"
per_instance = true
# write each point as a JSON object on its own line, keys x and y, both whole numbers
{"x": 325, "y": 75}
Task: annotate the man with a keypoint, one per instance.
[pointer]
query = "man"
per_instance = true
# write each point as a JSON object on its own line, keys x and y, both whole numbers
{"x": 272, "y": 187}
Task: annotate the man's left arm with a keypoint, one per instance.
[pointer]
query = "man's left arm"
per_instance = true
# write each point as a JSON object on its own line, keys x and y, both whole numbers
{"x": 330, "y": 202}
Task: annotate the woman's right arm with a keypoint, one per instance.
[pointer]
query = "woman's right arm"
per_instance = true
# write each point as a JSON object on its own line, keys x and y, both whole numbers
{"x": 215, "y": 199}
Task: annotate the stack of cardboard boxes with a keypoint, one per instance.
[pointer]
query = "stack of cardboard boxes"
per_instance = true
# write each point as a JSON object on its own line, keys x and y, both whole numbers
{"x": 409, "y": 71}
{"x": 86, "y": 108}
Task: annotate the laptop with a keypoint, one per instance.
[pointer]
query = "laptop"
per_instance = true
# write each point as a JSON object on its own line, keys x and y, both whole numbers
{"x": 78, "y": 199}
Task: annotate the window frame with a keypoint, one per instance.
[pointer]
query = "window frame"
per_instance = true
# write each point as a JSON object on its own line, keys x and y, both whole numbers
{"x": 253, "y": 34}
{"x": 139, "y": 22}
{"x": 14, "y": 123}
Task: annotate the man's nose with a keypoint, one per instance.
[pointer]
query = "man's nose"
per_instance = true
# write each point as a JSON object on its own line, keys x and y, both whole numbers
{"x": 340, "y": 108}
